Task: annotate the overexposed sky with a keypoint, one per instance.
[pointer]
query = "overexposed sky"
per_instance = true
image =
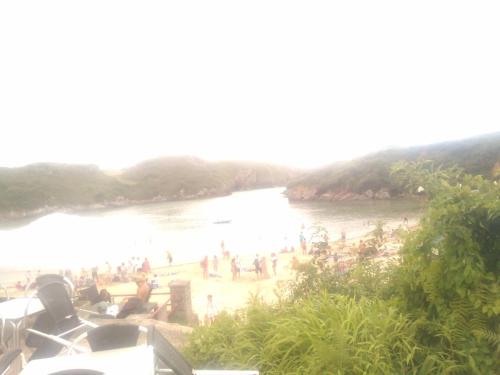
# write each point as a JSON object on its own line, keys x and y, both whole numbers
{"x": 298, "y": 83}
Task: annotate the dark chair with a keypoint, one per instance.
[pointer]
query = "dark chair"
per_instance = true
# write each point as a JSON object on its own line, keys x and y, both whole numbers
{"x": 7, "y": 359}
{"x": 108, "y": 337}
{"x": 90, "y": 294}
{"x": 58, "y": 321}
{"x": 113, "y": 336}
{"x": 43, "y": 323}
{"x": 48, "y": 278}
{"x": 133, "y": 306}
{"x": 166, "y": 356}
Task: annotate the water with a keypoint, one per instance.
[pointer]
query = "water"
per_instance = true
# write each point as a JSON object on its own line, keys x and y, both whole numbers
{"x": 260, "y": 221}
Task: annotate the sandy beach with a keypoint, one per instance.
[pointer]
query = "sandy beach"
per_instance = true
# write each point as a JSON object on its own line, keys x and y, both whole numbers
{"x": 229, "y": 295}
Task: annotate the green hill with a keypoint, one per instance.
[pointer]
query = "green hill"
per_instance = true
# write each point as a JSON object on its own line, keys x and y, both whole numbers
{"x": 39, "y": 185}
{"x": 368, "y": 177}
{"x": 47, "y": 187}
{"x": 189, "y": 177}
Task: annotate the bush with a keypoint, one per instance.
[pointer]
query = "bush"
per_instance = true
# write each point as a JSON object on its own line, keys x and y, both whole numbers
{"x": 322, "y": 334}
{"x": 448, "y": 280}
{"x": 364, "y": 279}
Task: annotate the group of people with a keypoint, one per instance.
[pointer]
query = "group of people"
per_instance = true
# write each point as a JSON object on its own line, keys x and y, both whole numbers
{"x": 205, "y": 266}
{"x": 29, "y": 282}
{"x": 259, "y": 267}
{"x": 133, "y": 265}
{"x": 122, "y": 273}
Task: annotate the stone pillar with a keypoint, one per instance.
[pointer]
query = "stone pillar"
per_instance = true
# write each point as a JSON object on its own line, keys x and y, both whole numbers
{"x": 180, "y": 297}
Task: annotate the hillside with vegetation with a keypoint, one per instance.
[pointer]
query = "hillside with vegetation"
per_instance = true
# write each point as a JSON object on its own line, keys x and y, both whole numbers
{"x": 368, "y": 177}
{"x": 190, "y": 177}
{"x": 47, "y": 187}
{"x": 434, "y": 311}
{"x": 54, "y": 185}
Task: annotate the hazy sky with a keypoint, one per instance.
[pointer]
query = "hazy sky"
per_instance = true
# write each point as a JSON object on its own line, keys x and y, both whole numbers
{"x": 299, "y": 83}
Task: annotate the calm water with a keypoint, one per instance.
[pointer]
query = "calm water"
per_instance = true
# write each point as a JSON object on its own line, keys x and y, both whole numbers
{"x": 260, "y": 221}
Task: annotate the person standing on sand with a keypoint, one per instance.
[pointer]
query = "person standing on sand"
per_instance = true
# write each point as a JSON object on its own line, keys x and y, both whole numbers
{"x": 146, "y": 267}
{"x": 224, "y": 252}
{"x": 233, "y": 268}
{"x": 274, "y": 261}
{"x": 169, "y": 258}
{"x": 405, "y": 222}
{"x": 238, "y": 266}
{"x": 204, "y": 267}
{"x": 95, "y": 275}
{"x": 212, "y": 310}
{"x": 256, "y": 263}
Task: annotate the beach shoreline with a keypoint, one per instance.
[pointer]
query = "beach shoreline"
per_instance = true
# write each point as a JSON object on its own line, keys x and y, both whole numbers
{"x": 228, "y": 295}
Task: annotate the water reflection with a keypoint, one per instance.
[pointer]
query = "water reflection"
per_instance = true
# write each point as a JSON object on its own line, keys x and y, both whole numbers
{"x": 260, "y": 221}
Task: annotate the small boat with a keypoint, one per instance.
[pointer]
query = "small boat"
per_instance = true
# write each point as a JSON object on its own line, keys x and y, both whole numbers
{"x": 222, "y": 222}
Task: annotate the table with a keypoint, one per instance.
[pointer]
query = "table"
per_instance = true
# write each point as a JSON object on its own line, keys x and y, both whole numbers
{"x": 136, "y": 360}
{"x": 13, "y": 312}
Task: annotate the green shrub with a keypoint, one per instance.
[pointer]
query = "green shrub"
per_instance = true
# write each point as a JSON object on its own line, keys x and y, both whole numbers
{"x": 448, "y": 279}
{"x": 364, "y": 279}
{"x": 322, "y": 334}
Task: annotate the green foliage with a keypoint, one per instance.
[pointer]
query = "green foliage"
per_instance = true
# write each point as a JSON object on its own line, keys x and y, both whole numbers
{"x": 412, "y": 176}
{"x": 365, "y": 279}
{"x": 40, "y": 185}
{"x": 448, "y": 279}
{"x": 188, "y": 176}
{"x": 478, "y": 156}
{"x": 59, "y": 186}
{"x": 437, "y": 312}
{"x": 321, "y": 334}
